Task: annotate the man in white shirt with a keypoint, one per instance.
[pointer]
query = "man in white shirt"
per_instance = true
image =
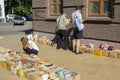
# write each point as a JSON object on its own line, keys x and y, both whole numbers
{"x": 77, "y": 35}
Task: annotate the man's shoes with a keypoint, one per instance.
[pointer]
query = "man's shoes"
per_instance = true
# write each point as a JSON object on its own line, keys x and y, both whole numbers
{"x": 65, "y": 48}
{"x": 58, "y": 48}
{"x": 79, "y": 52}
{"x": 73, "y": 51}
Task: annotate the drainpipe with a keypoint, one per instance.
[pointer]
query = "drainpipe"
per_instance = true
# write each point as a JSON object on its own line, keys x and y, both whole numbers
{"x": 4, "y": 11}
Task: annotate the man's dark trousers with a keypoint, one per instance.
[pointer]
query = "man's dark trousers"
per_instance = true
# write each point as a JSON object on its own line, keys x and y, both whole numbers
{"x": 63, "y": 38}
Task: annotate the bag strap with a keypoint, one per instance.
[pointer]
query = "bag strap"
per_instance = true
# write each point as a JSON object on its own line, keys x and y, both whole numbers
{"x": 59, "y": 20}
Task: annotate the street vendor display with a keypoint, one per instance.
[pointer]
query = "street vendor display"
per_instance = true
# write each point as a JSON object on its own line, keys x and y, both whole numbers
{"x": 33, "y": 68}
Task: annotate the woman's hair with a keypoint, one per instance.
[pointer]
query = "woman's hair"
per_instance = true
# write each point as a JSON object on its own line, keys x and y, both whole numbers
{"x": 79, "y": 7}
{"x": 24, "y": 41}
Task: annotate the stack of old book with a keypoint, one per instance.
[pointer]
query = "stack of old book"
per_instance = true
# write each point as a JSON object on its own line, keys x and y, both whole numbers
{"x": 115, "y": 54}
{"x": 103, "y": 50}
{"x": 33, "y": 68}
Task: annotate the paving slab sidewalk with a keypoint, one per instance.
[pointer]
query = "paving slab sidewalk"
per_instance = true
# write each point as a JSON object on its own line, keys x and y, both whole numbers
{"x": 90, "y": 67}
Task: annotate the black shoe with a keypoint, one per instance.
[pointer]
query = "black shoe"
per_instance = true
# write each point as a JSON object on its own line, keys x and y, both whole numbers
{"x": 73, "y": 51}
{"x": 65, "y": 48}
{"x": 58, "y": 48}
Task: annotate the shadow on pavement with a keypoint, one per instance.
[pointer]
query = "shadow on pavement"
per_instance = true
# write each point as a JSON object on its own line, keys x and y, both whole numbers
{"x": 28, "y": 31}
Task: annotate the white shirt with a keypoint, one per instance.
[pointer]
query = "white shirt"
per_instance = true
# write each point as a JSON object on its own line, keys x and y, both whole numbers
{"x": 34, "y": 46}
{"x": 74, "y": 15}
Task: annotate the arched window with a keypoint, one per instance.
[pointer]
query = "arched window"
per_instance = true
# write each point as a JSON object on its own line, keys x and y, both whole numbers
{"x": 55, "y": 7}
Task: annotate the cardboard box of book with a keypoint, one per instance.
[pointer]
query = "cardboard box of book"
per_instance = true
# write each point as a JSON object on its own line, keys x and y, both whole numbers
{"x": 89, "y": 50}
{"x": 20, "y": 73}
{"x": 113, "y": 54}
{"x": 14, "y": 69}
{"x": 28, "y": 71}
{"x": 36, "y": 76}
{"x": 10, "y": 63}
{"x": 67, "y": 75}
{"x": 98, "y": 52}
{"x": 118, "y": 54}
{"x": 43, "y": 40}
{"x": 118, "y": 57}
{"x": 106, "y": 53}
{"x": 53, "y": 69}
{"x": 83, "y": 49}
{"x": 3, "y": 64}
{"x": 24, "y": 72}
{"x": 61, "y": 73}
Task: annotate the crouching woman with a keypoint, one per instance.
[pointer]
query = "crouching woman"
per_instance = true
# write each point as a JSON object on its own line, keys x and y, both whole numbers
{"x": 29, "y": 46}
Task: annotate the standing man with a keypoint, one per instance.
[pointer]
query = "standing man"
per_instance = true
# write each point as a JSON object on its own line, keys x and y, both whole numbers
{"x": 62, "y": 23}
{"x": 77, "y": 35}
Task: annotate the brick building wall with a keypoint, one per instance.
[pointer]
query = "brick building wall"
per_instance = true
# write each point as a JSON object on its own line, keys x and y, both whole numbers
{"x": 117, "y": 11}
{"x": 95, "y": 29}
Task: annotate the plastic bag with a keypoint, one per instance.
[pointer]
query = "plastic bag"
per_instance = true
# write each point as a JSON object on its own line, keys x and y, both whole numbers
{"x": 78, "y": 24}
